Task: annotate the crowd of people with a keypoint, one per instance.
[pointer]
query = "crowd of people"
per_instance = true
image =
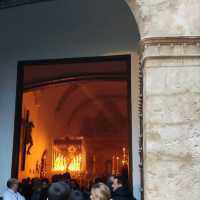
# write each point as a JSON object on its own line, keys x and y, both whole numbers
{"x": 62, "y": 187}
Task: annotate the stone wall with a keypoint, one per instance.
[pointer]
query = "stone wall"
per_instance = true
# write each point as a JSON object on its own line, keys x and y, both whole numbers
{"x": 171, "y": 119}
{"x": 164, "y": 18}
{"x": 170, "y": 57}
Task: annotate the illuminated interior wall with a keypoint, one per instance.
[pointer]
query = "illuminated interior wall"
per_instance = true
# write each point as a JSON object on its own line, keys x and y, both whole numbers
{"x": 103, "y": 122}
{"x": 41, "y": 136}
{"x": 105, "y": 153}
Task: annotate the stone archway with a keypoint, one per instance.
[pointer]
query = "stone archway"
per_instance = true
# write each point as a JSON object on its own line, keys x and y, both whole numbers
{"x": 169, "y": 57}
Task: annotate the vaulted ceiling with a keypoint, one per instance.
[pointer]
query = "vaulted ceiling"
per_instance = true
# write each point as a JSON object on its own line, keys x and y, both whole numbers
{"x": 89, "y": 108}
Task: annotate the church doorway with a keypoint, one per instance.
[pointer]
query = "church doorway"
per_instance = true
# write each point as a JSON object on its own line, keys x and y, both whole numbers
{"x": 73, "y": 116}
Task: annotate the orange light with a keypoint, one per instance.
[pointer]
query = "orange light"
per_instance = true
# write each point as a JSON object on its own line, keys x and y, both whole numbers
{"x": 75, "y": 164}
{"x": 60, "y": 163}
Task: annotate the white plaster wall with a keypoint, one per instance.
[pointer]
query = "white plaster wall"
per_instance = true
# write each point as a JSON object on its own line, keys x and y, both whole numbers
{"x": 55, "y": 29}
{"x": 135, "y": 123}
{"x": 7, "y": 106}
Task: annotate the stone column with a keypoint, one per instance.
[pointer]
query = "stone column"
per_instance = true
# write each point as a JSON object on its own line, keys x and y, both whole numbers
{"x": 171, "y": 115}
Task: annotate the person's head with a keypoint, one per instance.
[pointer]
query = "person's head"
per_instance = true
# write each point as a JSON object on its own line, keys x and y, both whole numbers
{"x": 45, "y": 183}
{"x": 59, "y": 191}
{"x": 13, "y": 184}
{"x": 109, "y": 182}
{"x": 76, "y": 195}
{"x": 66, "y": 177}
{"x": 100, "y": 191}
{"x": 98, "y": 180}
{"x": 74, "y": 185}
{"x": 118, "y": 182}
{"x": 36, "y": 184}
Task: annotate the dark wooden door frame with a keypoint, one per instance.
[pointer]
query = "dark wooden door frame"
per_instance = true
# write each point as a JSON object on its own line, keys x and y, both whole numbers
{"x": 20, "y": 88}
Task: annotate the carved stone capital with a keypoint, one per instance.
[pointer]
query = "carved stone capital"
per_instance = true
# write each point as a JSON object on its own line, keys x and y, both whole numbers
{"x": 169, "y": 47}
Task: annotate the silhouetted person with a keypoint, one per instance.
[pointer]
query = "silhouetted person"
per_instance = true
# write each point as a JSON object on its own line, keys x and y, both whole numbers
{"x": 58, "y": 178}
{"x": 120, "y": 190}
{"x": 26, "y": 188}
{"x": 59, "y": 191}
{"x": 37, "y": 189}
{"x": 45, "y": 187}
{"x": 66, "y": 177}
{"x": 98, "y": 180}
{"x": 76, "y": 195}
{"x": 74, "y": 184}
{"x": 86, "y": 193}
{"x": 109, "y": 182}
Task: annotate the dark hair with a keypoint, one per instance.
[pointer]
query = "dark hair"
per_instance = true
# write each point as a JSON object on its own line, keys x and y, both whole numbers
{"x": 76, "y": 195}
{"x": 11, "y": 182}
{"x": 45, "y": 180}
{"x": 109, "y": 182}
{"x": 59, "y": 191}
{"x": 121, "y": 180}
{"x": 36, "y": 184}
{"x": 57, "y": 178}
{"x": 67, "y": 176}
{"x": 74, "y": 185}
{"x": 98, "y": 180}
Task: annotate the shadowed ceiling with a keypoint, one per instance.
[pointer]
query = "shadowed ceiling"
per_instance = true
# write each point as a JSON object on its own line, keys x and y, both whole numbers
{"x": 13, "y": 3}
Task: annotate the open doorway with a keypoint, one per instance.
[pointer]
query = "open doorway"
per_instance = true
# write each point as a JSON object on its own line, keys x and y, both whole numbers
{"x": 73, "y": 116}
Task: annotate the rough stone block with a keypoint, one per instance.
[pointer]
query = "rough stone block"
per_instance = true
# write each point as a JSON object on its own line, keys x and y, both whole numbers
{"x": 172, "y": 179}
{"x": 172, "y": 109}
{"x": 171, "y": 80}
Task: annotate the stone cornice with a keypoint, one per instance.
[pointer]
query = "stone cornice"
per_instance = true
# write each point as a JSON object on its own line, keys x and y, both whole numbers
{"x": 169, "y": 47}
{"x": 154, "y": 41}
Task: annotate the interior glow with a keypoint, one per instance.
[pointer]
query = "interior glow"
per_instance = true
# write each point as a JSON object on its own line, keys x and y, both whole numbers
{"x": 59, "y": 162}
{"x": 91, "y": 136}
{"x": 75, "y": 164}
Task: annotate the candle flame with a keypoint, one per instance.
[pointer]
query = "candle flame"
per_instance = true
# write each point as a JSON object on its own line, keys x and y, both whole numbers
{"x": 75, "y": 164}
{"x": 60, "y": 163}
